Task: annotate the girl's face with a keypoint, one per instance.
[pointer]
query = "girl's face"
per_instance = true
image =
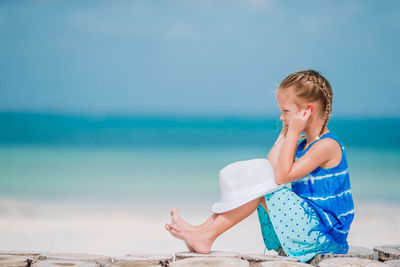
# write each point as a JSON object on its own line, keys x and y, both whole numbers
{"x": 287, "y": 105}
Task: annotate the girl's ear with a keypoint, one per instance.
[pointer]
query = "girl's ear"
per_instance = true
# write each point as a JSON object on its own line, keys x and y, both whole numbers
{"x": 311, "y": 107}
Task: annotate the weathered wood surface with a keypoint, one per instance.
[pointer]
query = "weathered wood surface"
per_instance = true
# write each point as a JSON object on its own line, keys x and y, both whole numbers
{"x": 133, "y": 260}
{"x": 388, "y": 252}
{"x": 14, "y": 260}
{"x": 357, "y": 256}
{"x": 351, "y": 262}
{"x": 354, "y": 251}
{"x": 225, "y": 254}
{"x": 21, "y": 253}
{"x": 136, "y": 264}
{"x": 283, "y": 264}
{"x": 281, "y": 252}
{"x": 256, "y": 259}
{"x": 393, "y": 263}
{"x": 210, "y": 261}
{"x": 64, "y": 263}
{"x": 76, "y": 257}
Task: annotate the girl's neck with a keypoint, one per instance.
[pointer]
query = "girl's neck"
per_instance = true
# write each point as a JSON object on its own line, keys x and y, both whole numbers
{"x": 312, "y": 131}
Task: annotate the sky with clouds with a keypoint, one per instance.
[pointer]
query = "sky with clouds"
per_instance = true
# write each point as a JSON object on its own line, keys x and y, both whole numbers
{"x": 207, "y": 58}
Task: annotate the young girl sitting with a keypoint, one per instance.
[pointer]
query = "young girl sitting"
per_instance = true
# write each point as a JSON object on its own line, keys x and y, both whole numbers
{"x": 314, "y": 216}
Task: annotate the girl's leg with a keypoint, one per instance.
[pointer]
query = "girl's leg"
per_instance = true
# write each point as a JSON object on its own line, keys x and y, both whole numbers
{"x": 264, "y": 204}
{"x": 202, "y": 239}
{"x": 178, "y": 220}
{"x": 270, "y": 238}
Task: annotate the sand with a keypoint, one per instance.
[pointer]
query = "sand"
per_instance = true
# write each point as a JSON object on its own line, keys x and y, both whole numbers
{"x": 118, "y": 230}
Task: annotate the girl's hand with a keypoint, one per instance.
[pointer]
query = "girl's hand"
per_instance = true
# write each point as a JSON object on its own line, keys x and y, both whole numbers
{"x": 284, "y": 129}
{"x": 298, "y": 122}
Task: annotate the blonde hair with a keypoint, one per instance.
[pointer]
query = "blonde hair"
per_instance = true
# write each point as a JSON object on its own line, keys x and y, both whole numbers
{"x": 310, "y": 85}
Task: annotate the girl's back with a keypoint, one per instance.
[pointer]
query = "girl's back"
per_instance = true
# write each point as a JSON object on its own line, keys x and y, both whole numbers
{"x": 328, "y": 191}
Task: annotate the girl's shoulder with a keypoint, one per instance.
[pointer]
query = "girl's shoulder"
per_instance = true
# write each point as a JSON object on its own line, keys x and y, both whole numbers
{"x": 328, "y": 145}
{"x": 331, "y": 140}
{"x": 331, "y": 148}
{"x": 328, "y": 141}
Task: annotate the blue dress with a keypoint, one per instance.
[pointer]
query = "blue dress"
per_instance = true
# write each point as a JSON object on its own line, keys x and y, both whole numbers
{"x": 313, "y": 217}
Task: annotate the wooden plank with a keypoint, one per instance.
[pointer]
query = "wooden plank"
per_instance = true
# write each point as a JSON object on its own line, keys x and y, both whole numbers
{"x": 393, "y": 263}
{"x": 64, "y": 263}
{"x": 388, "y": 252}
{"x": 283, "y": 264}
{"x": 255, "y": 259}
{"x": 14, "y": 260}
{"x": 132, "y": 260}
{"x": 210, "y": 261}
{"x": 76, "y": 257}
{"x": 354, "y": 251}
{"x": 225, "y": 254}
{"x": 350, "y": 262}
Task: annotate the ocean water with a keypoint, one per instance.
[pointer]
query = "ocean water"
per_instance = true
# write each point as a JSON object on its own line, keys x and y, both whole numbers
{"x": 145, "y": 160}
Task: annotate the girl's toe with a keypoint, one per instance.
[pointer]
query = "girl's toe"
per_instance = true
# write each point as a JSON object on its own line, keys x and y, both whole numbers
{"x": 175, "y": 227}
{"x": 172, "y": 211}
{"x": 167, "y": 226}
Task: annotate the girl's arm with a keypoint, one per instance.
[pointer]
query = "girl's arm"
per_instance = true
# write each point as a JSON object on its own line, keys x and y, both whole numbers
{"x": 288, "y": 171}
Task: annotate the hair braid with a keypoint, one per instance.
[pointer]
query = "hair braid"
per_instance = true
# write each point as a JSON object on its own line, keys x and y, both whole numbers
{"x": 323, "y": 89}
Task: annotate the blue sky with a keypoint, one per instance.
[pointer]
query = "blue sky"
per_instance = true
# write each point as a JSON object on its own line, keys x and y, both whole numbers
{"x": 208, "y": 58}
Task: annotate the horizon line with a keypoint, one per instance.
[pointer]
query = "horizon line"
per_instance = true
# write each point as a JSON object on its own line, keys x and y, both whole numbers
{"x": 171, "y": 115}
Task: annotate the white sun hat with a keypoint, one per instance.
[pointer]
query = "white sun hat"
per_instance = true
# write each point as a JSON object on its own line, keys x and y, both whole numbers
{"x": 243, "y": 181}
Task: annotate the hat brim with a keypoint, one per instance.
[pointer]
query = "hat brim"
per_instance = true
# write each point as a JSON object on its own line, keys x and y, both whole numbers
{"x": 224, "y": 206}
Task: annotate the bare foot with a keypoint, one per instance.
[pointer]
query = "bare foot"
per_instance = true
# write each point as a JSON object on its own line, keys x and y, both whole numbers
{"x": 169, "y": 229}
{"x": 176, "y": 219}
{"x": 196, "y": 239}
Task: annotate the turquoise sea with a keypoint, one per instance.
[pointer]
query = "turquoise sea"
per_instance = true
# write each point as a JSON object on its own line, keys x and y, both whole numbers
{"x": 167, "y": 160}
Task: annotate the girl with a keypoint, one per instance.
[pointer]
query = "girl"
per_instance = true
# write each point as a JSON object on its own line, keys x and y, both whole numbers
{"x": 314, "y": 216}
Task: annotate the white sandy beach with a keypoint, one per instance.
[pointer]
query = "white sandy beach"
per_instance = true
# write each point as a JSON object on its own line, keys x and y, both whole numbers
{"x": 117, "y": 230}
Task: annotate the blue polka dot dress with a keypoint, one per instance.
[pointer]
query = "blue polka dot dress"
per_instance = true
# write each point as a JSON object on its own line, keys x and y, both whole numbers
{"x": 288, "y": 224}
{"x": 314, "y": 216}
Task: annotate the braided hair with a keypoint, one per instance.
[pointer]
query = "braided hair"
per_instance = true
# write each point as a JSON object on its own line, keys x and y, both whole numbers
{"x": 311, "y": 85}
